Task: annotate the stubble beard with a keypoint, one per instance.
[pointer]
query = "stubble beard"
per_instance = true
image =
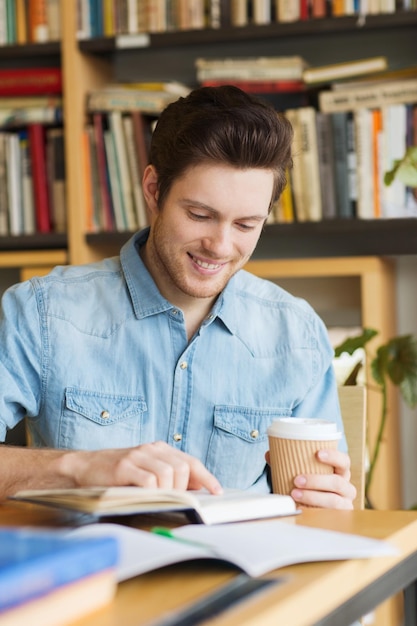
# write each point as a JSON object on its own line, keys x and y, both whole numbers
{"x": 177, "y": 274}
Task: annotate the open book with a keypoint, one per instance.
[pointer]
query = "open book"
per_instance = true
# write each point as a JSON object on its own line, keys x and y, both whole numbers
{"x": 255, "y": 547}
{"x": 201, "y": 506}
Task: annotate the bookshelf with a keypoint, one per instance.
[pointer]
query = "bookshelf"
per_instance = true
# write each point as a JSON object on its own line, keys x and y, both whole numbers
{"x": 38, "y": 253}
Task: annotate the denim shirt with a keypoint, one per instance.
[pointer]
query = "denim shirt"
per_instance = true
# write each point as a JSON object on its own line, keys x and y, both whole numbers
{"x": 95, "y": 357}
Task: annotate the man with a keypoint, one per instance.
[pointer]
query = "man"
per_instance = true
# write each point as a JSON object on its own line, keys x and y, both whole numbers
{"x": 165, "y": 366}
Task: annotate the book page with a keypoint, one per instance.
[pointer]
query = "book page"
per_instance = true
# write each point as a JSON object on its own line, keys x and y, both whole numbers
{"x": 254, "y": 547}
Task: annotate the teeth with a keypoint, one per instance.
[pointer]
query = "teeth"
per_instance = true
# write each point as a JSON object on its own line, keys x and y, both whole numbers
{"x": 207, "y": 266}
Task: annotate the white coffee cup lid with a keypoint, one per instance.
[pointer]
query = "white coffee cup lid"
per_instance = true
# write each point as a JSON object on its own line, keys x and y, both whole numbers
{"x": 304, "y": 428}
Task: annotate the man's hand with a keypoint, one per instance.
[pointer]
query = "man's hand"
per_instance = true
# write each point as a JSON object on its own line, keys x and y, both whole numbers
{"x": 149, "y": 465}
{"x": 328, "y": 491}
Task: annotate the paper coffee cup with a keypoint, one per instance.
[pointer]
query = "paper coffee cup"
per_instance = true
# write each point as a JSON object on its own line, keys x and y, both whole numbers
{"x": 293, "y": 444}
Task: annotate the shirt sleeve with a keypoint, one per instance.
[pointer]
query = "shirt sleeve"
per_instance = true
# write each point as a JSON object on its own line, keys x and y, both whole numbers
{"x": 20, "y": 356}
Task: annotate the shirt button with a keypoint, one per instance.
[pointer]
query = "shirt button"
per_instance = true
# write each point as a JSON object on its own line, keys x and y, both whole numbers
{"x": 254, "y": 434}
{"x": 174, "y": 311}
{"x": 177, "y": 437}
{"x": 184, "y": 365}
{"x": 105, "y": 415}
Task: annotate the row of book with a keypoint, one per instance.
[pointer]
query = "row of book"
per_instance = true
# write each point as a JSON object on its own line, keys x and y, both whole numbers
{"x": 32, "y": 180}
{"x": 115, "y": 148}
{"x": 97, "y": 18}
{"x": 340, "y": 160}
{"x": 29, "y": 21}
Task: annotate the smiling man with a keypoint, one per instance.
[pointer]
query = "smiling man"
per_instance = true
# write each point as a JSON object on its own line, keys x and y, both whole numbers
{"x": 164, "y": 366}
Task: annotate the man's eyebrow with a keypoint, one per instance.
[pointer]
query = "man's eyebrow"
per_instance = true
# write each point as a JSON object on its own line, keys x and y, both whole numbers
{"x": 200, "y": 205}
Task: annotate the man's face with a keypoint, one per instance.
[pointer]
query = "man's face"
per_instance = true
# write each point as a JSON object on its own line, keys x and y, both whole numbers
{"x": 208, "y": 228}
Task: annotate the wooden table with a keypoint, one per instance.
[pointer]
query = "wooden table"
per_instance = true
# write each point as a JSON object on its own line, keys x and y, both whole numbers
{"x": 325, "y": 594}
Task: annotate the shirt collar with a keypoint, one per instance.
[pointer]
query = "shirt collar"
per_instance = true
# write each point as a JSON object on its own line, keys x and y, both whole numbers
{"x": 146, "y": 297}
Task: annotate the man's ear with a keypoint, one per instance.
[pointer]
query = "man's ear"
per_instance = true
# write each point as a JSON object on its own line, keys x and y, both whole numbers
{"x": 150, "y": 189}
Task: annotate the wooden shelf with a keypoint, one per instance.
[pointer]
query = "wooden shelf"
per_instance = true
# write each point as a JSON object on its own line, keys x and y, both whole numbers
{"x": 16, "y": 51}
{"x": 329, "y": 238}
{"x": 39, "y": 241}
{"x": 229, "y": 34}
{"x": 33, "y": 258}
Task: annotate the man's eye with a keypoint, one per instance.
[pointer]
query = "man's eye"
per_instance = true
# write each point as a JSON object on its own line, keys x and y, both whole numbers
{"x": 198, "y": 216}
{"x": 245, "y": 226}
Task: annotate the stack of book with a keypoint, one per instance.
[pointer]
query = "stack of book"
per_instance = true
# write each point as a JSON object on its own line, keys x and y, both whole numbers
{"x": 278, "y": 79}
{"x": 49, "y": 579}
{"x": 32, "y": 163}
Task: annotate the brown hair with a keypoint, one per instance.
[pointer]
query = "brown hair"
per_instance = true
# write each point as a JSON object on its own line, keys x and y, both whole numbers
{"x": 220, "y": 125}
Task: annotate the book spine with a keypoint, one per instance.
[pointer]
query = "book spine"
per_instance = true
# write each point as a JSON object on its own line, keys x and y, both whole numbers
{"x": 36, "y": 133}
{"x": 145, "y": 101}
{"x": 56, "y": 152}
{"x": 285, "y": 211}
{"x": 28, "y": 207}
{"x": 104, "y": 183}
{"x": 352, "y": 164}
{"x": 13, "y": 184}
{"x": 310, "y": 165}
{"x": 134, "y": 169}
{"x": 378, "y": 96}
{"x": 297, "y": 183}
{"x": 394, "y": 123}
{"x": 115, "y": 189}
{"x": 259, "y": 86}
{"x": 30, "y": 81}
{"x": 364, "y": 156}
{"x": 4, "y": 205}
{"x": 11, "y": 22}
{"x": 318, "y": 8}
{"x": 326, "y": 164}
{"x": 377, "y": 140}
{"x": 3, "y": 23}
{"x": 21, "y": 23}
{"x": 287, "y": 10}
{"x": 38, "y": 21}
{"x": 261, "y": 12}
{"x": 239, "y": 13}
{"x": 141, "y": 131}
{"x": 340, "y": 147}
{"x": 88, "y": 194}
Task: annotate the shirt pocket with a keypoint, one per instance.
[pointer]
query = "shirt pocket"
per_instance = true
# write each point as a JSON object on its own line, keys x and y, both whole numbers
{"x": 92, "y": 420}
{"x": 236, "y": 452}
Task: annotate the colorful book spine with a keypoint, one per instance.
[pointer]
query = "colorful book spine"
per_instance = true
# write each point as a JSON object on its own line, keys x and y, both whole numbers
{"x": 30, "y": 81}
{"x": 38, "y": 21}
{"x": 36, "y": 133}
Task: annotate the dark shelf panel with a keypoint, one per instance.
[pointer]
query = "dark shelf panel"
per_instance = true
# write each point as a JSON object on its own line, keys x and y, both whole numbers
{"x": 331, "y": 238}
{"x": 47, "y": 241}
{"x": 16, "y": 51}
{"x": 229, "y": 34}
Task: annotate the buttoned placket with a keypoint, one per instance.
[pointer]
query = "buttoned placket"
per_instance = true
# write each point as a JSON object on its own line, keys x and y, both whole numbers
{"x": 183, "y": 378}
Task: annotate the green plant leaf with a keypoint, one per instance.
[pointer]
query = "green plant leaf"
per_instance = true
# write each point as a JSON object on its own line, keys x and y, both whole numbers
{"x": 379, "y": 365}
{"x": 404, "y": 169}
{"x": 353, "y": 343}
{"x": 397, "y": 361}
{"x": 407, "y": 174}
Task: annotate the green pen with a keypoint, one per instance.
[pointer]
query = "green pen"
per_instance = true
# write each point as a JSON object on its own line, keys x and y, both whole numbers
{"x": 167, "y": 532}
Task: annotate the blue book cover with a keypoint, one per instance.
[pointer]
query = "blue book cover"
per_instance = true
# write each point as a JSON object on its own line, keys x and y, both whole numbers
{"x": 35, "y": 562}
